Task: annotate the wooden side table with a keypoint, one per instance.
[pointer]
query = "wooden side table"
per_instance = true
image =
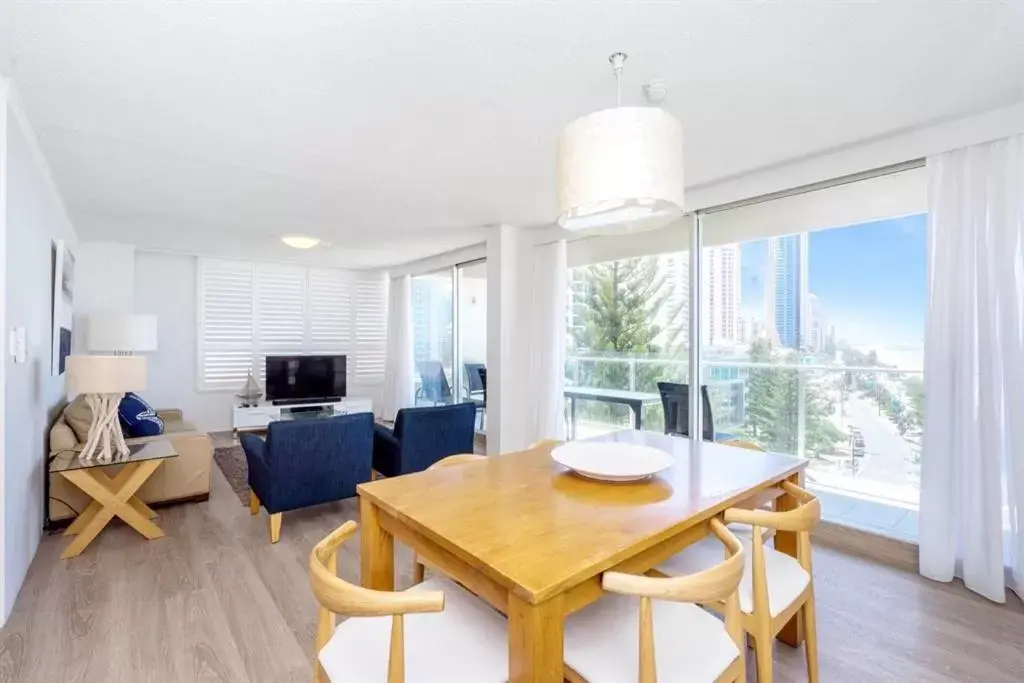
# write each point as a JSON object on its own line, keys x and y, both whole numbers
{"x": 113, "y": 497}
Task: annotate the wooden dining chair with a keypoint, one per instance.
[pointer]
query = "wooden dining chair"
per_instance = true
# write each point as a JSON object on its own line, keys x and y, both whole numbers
{"x": 418, "y": 568}
{"x": 745, "y": 530}
{"x": 690, "y": 644}
{"x": 775, "y": 586}
{"x": 449, "y": 635}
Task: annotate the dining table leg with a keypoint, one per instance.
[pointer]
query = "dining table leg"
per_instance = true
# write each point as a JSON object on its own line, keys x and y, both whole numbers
{"x": 638, "y": 416}
{"x": 535, "y": 640}
{"x": 377, "y": 550}
{"x": 786, "y": 542}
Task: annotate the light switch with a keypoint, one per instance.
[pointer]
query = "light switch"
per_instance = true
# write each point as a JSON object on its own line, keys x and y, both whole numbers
{"x": 19, "y": 345}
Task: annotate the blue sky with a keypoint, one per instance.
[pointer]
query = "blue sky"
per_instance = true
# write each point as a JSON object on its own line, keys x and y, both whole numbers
{"x": 870, "y": 279}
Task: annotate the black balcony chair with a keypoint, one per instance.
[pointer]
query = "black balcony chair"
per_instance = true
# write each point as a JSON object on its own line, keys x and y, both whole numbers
{"x": 476, "y": 386}
{"x": 434, "y": 385}
{"x": 675, "y": 399}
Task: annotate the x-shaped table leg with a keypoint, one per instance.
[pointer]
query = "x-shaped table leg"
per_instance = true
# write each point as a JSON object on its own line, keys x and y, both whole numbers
{"x": 111, "y": 497}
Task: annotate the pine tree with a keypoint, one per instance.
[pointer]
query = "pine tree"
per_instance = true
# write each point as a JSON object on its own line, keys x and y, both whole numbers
{"x": 623, "y": 301}
{"x": 761, "y": 403}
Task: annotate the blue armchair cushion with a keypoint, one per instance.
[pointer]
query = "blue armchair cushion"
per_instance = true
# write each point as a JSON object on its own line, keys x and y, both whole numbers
{"x": 138, "y": 417}
{"x": 422, "y": 436}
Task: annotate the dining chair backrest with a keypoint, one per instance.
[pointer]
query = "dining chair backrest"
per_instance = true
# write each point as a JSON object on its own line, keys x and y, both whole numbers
{"x": 740, "y": 443}
{"x": 675, "y": 400}
{"x": 457, "y": 459}
{"x": 801, "y": 519}
{"x": 717, "y": 583}
{"x": 434, "y": 381}
{"x": 337, "y": 596}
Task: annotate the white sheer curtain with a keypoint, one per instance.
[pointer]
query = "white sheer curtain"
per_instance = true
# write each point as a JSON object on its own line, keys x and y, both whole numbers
{"x": 544, "y": 320}
{"x": 399, "y": 380}
{"x": 972, "y": 479}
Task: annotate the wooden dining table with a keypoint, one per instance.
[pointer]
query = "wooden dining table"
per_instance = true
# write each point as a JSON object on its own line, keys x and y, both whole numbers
{"x": 533, "y": 539}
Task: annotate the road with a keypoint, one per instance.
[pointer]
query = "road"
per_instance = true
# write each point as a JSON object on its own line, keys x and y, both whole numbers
{"x": 888, "y": 455}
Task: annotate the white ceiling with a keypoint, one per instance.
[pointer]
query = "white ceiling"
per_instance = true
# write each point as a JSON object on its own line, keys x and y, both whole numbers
{"x": 395, "y": 130}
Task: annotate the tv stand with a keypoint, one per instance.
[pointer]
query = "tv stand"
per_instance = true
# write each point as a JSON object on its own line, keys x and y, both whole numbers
{"x": 256, "y": 418}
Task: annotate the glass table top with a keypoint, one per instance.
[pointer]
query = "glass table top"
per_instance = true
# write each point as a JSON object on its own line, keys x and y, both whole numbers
{"x": 154, "y": 450}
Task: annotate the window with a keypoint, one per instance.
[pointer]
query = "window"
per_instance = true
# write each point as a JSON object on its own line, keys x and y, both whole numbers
{"x": 628, "y": 326}
{"x": 432, "y": 337}
{"x": 812, "y": 331}
{"x": 248, "y": 311}
{"x": 449, "y": 323}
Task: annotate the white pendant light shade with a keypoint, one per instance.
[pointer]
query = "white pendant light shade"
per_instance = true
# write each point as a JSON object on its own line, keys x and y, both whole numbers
{"x": 620, "y": 170}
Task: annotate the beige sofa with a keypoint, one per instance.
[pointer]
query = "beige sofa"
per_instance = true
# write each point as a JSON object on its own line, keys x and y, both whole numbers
{"x": 186, "y": 477}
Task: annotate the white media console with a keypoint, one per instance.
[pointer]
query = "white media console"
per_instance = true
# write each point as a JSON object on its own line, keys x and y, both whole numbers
{"x": 258, "y": 417}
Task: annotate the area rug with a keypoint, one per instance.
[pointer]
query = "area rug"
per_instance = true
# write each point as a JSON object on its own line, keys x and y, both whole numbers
{"x": 231, "y": 461}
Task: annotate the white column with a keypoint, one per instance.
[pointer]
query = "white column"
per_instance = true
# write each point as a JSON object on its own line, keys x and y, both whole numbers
{"x": 505, "y": 415}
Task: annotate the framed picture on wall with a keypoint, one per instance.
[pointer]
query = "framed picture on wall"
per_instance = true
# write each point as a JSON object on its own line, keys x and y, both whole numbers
{"x": 63, "y": 305}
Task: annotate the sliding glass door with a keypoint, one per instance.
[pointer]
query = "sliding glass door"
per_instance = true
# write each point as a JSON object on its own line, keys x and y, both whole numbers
{"x": 627, "y": 328}
{"x": 805, "y": 312}
{"x": 449, "y": 320}
{"x": 433, "y": 337}
{"x": 812, "y": 327}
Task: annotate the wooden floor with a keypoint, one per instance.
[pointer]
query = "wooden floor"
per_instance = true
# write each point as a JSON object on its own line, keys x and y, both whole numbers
{"x": 214, "y": 601}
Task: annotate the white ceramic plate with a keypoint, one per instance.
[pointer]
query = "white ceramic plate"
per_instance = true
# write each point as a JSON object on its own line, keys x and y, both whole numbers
{"x": 611, "y": 461}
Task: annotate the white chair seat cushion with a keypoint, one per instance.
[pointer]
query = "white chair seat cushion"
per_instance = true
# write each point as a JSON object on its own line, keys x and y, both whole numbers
{"x": 466, "y": 643}
{"x": 742, "y": 530}
{"x": 786, "y": 578}
{"x": 602, "y": 641}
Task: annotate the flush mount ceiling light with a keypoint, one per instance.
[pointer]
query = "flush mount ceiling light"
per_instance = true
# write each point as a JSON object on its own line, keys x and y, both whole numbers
{"x": 300, "y": 241}
{"x": 620, "y": 170}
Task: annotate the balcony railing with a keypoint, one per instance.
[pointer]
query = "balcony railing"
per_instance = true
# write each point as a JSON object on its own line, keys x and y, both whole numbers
{"x": 858, "y": 425}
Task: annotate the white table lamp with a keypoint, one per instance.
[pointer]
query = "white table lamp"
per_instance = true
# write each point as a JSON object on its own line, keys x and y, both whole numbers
{"x": 121, "y": 333}
{"x": 104, "y": 380}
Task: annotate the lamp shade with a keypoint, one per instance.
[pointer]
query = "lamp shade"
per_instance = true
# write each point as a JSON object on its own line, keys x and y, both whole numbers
{"x": 106, "y": 374}
{"x": 620, "y": 170}
{"x": 120, "y": 332}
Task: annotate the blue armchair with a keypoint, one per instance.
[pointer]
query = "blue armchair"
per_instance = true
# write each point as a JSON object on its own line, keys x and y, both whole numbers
{"x": 307, "y": 462}
{"x": 422, "y": 436}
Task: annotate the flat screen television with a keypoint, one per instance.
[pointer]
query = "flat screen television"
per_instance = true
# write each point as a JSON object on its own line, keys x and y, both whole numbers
{"x": 305, "y": 379}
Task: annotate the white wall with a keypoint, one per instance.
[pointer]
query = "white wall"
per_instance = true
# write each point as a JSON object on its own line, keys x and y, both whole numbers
{"x": 473, "y": 319}
{"x": 165, "y": 286}
{"x": 106, "y": 279}
{"x": 34, "y": 217}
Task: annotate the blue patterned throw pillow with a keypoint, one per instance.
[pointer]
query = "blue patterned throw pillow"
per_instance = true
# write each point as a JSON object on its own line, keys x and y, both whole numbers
{"x": 138, "y": 417}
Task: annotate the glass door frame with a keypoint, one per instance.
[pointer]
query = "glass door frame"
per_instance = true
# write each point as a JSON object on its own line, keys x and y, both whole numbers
{"x": 457, "y": 360}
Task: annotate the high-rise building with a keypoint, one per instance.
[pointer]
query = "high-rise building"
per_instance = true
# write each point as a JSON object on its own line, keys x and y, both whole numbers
{"x": 432, "y": 318}
{"x": 579, "y": 294}
{"x": 785, "y": 290}
{"x": 720, "y": 300}
{"x": 674, "y": 317}
{"x": 817, "y": 325}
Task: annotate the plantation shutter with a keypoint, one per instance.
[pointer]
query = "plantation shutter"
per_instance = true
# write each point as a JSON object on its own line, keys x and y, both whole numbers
{"x": 370, "y": 326}
{"x": 250, "y": 311}
{"x": 281, "y": 314}
{"x": 330, "y": 311}
{"x": 226, "y": 323}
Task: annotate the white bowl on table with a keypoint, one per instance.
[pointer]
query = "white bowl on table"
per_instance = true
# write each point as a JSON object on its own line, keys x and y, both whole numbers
{"x": 611, "y": 461}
